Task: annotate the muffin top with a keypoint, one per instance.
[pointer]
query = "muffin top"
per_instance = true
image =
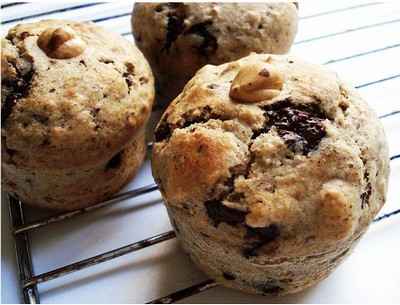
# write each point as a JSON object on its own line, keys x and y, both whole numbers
{"x": 180, "y": 38}
{"x": 273, "y": 155}
{"x": 73, "y": 94}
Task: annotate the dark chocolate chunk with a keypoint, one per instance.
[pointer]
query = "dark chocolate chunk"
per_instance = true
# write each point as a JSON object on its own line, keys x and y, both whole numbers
{"x": 261, "y": 237}
{"x": 368, "y": 188}
{"x": 209, "y": 44}
{"x": 12, "y": 91}
{"x": 235, "y": 197}
{"x": 46, "y": 142}
{"x": 9, "y": 154}
{"x": 159, "y": 8}
{"x": 7, "y": 107}
{"x": 104, "y": 61}
{"x": 128, "y": 79}
{"x": 13, "y": 88}
{"x": 293, "y": 141}
{"x": 143, "y": 80}
{"x": 270, "y": 287}
{"x": 205, "y": 115}
{"x": 94, "y": 112}
{"x": 221, "y": 213}
{"x": 264, "y": 72}
{"x": 300, "y": 126}
{"x": 175, "y": 25}
{"x": 266, "y": 234}
{"x": 164, "y": 130}
{"x": 366, "y": 195}
{"x": 251, "y": 250}
{"x": 212, "y": 86}
{"x": 115, "y": 161}
{"x": 228, "y": 276}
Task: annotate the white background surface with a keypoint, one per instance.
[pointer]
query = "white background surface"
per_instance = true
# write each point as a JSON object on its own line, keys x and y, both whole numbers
{"x": 329, "y": 31}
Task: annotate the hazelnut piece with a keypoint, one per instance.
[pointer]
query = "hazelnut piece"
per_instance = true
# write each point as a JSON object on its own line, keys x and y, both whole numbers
{"x": 61, "y": 43}
{"x": 256, "y": 82}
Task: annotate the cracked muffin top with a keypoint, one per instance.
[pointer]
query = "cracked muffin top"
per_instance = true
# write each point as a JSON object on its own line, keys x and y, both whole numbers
{"x": 273, "y": 155}
{"x": 73, "y": 94}
{"x": 180, "y": 38}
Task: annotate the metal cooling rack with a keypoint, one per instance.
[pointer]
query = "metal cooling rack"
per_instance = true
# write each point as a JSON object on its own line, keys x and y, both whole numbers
{"x": 21, "y": 229}
{"x": 29, "y": 281}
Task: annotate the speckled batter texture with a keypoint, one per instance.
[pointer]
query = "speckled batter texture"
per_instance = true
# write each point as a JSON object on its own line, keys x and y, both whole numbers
{"x": 268, "y": 197}
{"x": 72, "y": 128}
{"x": 180, "y": 38}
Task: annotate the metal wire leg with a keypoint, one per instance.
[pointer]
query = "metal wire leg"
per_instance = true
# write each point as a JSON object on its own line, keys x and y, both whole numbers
{"x": 184, "y": 293}
{"x": 23, "y": 252}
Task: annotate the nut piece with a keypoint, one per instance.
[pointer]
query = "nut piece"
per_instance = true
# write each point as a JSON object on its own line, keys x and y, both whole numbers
{"x": 61, "y": 43}
{"x": 256, "y": 82}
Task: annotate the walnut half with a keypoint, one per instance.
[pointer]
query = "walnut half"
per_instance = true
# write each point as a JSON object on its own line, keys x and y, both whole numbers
{"x": 61, "y": 43}
{"x": 256, "y": 82}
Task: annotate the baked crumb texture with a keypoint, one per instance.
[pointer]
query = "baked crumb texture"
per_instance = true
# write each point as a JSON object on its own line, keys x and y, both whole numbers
{"x": 75, "y": 100}
{"x": 268, "y": 196}
{"x": 180, "y": 38}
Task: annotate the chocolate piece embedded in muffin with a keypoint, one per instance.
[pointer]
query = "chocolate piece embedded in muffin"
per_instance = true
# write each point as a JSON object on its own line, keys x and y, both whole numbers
{"x": 180, "y": 38}
{"x": 269, "y": 178}
{"x": 75, "y": 101}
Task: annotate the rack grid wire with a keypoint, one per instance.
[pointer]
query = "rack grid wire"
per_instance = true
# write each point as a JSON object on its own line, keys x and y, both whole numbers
{"x": 21, "y": 228}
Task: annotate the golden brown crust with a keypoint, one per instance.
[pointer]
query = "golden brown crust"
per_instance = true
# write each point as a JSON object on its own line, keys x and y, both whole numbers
{"x": 73, "y": 97}
{"x": 288, "y": 183}
{"x": 75, "y": 111}
{"x": 71, "y": 189}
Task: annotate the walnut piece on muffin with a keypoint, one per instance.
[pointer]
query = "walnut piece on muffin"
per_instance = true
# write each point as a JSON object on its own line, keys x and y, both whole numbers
{"x": 271, "y": 169}
{"x": 75, "y": 101}
{"x": 180, "y": 38}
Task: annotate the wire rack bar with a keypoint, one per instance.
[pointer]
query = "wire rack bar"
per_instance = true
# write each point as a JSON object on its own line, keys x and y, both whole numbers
{"x": 47, "y": 276}
{"x": 184, "y": 293}
{"x": 11, "y": 4}
{"x": 387, "y": 215}
{"x": 339, "y": 10}
{"x": 389, "y": 114}
{"x": 394, "y": 157}
{"x": 377, "y": 81}
{"x": 81, "y": 6}
{"x": 23, "y": 253}
{"x": 63, "y": 216}
{"x": 347, "y": 31}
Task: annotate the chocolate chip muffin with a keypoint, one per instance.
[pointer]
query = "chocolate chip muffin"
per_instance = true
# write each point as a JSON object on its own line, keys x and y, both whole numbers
{"x": 75, "y": 101}
{"x": 271, "y": 169}
{"x": 180, "y": 38}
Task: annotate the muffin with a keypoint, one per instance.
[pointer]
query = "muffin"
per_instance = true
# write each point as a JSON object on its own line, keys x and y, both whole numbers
{"x": 75, "y": 102}
{"x": 180, "y": 38}
{"x": 271, "y": 169}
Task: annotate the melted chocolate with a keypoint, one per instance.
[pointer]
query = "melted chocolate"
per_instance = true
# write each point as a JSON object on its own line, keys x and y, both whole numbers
{"x": 300, "y": 126}
{"x": 221, "y": 213}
